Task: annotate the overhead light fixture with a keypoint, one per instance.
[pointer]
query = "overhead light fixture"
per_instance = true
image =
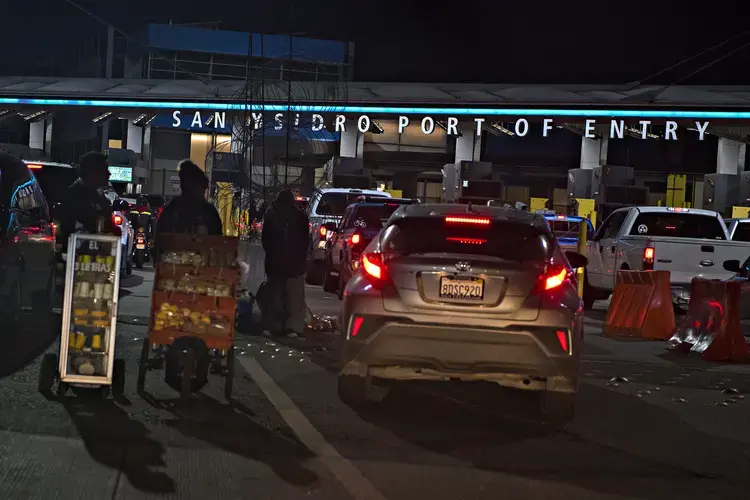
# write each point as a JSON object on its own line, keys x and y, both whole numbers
{"x": 685, "y": 113}
{"x": 500, "y": 128}
{"x": 103, "y": 117}
{"x": 209, "y": 120}
{"x": 638, "y": 133}
{"x": 4, "y": 113}
{"x": 144, "y": 119}
{"x": 36, "y": 116}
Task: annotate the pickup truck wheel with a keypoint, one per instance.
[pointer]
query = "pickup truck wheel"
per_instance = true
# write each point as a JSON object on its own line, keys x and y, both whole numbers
{"x": 590, "y": 294}
{"x": 329, "y": 282}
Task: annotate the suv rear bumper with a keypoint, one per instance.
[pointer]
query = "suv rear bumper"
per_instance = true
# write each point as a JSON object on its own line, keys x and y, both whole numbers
{"x": 525, "y": 358}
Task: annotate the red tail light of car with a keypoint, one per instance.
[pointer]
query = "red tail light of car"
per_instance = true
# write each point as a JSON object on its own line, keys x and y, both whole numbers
{"x": 356, "y": 238}
{"x": 648, "y": 258}
{"x": 374, "y": 268}
{"x": 117, "y": 219}
{"x": 552, "y": 278}
{"x": 468, "y": 220}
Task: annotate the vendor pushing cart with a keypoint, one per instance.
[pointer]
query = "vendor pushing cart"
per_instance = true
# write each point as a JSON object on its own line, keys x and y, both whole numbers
{"x": 191, "y": 328}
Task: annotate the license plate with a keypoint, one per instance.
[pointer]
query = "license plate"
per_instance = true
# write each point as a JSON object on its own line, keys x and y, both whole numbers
{"x": 140, "y": 246}
{"x": 461, "y": 288}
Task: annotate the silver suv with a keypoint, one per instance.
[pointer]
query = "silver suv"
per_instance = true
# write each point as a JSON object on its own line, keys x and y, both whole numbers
{"x": 455, "y": 292}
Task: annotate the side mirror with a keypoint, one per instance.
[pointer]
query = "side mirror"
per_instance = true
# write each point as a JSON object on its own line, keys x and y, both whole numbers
{"x": 732, "y": 266}
{"x": 576, "y": 260}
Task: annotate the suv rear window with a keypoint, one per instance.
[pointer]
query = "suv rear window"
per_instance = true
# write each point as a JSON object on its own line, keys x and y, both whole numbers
{"x": 678, "y": 225}
{"x": 334, "y": 204}
{"x": 373, "y": 216}
{"x": 503, "y": 239}
{"x": 742, "y": 232}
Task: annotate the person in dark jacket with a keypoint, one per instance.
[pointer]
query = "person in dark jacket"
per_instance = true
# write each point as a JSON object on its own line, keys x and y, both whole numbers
{"x": 84, "y": 206}
{"x": 285, "y": 237}
{"x": 190, "y": 212}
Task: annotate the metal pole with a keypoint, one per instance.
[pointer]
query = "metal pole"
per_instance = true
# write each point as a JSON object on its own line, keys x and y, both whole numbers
{"x": 582, "y": 233}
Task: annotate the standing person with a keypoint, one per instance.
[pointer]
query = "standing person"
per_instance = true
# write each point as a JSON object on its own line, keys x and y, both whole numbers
{"x": 285, "y": 237}
{"x": 190, "y": 212}
{"x": 84, "y": 205}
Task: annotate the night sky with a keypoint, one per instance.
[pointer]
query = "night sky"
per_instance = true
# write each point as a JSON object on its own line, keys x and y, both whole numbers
{"x": 415, "y": 40}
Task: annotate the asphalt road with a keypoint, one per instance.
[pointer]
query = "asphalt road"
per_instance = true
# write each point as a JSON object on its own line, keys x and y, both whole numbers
{"x": 648, "y": 426}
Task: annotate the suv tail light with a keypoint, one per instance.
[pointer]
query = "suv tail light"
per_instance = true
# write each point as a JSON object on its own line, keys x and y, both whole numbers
{"x": 467, "y": 220}
{"x": 322, "y": 232}
{"x": 552, "y": 278}
{"x": 356, "y": 238}
{"x": 374, "y": 267}
{"x": 117, "y": 219}
{"x": 648, "y": 258}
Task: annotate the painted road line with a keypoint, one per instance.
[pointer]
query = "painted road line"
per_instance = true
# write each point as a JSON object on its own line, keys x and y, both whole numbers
{"x": 357, "y": 485}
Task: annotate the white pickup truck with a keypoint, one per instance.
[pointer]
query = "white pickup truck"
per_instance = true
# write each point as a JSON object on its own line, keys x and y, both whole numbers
{"x": 685, "y": 242}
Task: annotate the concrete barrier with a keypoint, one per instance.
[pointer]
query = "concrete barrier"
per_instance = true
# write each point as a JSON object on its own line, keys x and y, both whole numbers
{"x": 252, "y": 254}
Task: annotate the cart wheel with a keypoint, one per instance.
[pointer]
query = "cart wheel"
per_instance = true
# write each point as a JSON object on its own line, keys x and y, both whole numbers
{"x": 62, "y": 389}
{"x": 143, "y": 364}
{"x": 186, "y": 388}
{"x": 118, "y": 378}
{"x": 48, "y": 373}
{"x": 229, "y": 382}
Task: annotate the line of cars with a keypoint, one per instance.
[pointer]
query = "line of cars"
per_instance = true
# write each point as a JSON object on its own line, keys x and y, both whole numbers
{"x": 451, "y": 292}
{"x": 30, "y": 193}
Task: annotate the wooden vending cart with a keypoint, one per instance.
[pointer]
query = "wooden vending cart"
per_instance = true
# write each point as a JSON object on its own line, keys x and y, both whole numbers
{"x": 87, "y": 341}
{"x": 193, "y": 312}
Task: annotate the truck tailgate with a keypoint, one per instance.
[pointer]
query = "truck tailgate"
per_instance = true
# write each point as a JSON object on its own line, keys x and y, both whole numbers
{"x": 686, "y": 258}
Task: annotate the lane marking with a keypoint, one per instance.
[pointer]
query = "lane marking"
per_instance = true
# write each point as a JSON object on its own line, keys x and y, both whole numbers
{"x": 356, "y": 484}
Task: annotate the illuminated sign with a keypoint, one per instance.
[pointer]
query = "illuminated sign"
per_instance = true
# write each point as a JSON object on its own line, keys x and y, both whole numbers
{"x": 678, "y": 114}
{"x": 120, "y": 174}
{"x": 615, "y": 128}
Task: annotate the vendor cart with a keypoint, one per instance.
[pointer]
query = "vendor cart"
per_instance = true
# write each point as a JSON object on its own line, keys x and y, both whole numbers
{"x": 89, "y": 323}
{"x": 193, "y": 312}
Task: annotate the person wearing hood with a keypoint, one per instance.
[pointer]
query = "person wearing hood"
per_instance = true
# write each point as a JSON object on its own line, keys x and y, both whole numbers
{"x": 190, "y": 212}
{"x": 285, "y": 237}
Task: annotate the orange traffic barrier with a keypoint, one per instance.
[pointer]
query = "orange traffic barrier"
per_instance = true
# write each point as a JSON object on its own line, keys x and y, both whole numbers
{"x": 641, "y": 306}
{"x": 712, "y": 327}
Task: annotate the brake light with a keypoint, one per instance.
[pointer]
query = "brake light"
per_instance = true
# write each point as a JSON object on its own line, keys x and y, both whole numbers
{"x": 322, "y": 232}
{"x": 562, "y": 338}
{"x": 463, "y": 219}
{"x": 648, "y": 258}
{"x": 356, "y": 238}
{"x": 466, "y": 241}
{"x": 140, "y": 239}
{"x": 374, "y": 267}
{"x": 356, "y": 326}
{"x": 117, "y": 219}
{"x": 553, "y": 278}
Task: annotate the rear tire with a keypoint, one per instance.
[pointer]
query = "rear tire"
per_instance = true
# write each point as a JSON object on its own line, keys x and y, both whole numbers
{"x": 352, "y": 390}
{"x": 590, "y": 294}
{"x": 558, "y": 408}
{"x": 329, "y": 282}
